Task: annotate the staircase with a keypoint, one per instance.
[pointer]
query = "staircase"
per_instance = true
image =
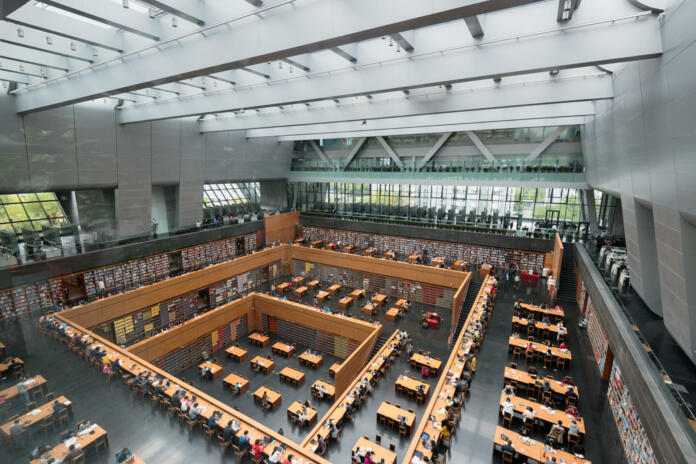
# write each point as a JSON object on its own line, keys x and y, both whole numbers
{"x": 567, "y": 290}
{"x": 378, "y": 346}
{"x": 472, "y": 292}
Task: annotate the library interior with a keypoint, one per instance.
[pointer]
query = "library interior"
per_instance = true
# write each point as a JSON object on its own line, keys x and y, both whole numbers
{"x": 330, "y": 231}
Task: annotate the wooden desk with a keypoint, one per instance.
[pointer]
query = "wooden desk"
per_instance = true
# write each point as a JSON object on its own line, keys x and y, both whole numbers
{"x": 392, "y": 412}
{"x": 297, "y": 281}
{"x": 265, "y": 365}
{"x": 540, "y": 349}
{"x": 412, "y": 384}
{"x": 537, "y": 324}
{"x": 332, "y": 370}
{"x": 369, "y": 251}
{"x": 5, "y": 366}
{"x": 459, "y": 265}
{"x": 259, "y": 339}
{"x": 316, "y": 244}
{"x": 291, "y": 376}
{"x": 518, "y": 376}
{"x": 312, "y": 285}
{"x": 236, "y": 353}
{"x": 400, "y": 303}
{"x": 357, "y": 293}
{"x": 30, "y": 419}
{"x": 283, "y": 349}
{"x": 84, "y": 440}
{"x": 380, "y": 453}
{"x": 344, "y": 302}
{"x": 330, "y": 390}
{"x": 334, "y": 288}
{"x": 553, "y": 313}
{"x": 534, "y": 450}
{"x": 300, "y": 291}
{"x": 322, "y": 296}
{"x": 550, "y": 416}
{"x": 419, "y": 360}
{"x": 282, "y": 287}
{"x": 215, "y": 369}
{"x": 369, "y": 309}
{"x": 379, "y": 299}
{"x": 437, "y": 262}
{"x": 273, "y": 396}
{"x": 310, "y": 360}
{"x": 35, "y": 382}
{"x": 392, "y": 314}
{"x": 296, "y": 408}
{"x": 232, "y": 379}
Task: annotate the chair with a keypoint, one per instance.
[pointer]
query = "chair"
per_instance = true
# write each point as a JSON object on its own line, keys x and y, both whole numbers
{"x": 378, "y": 438}
{"x": 420, "y": 398}
{"x": 210, "y": 433}
{"x": 545, "y": 396}
{"x": 79, "y": 459}
{"x": 63, "y": 417}
{"x": 561, "y": 363}
{"x": 256, "y": 460}
{"x": 46, "y": 423}
{"x": 513, "y": 365}
{"x": 404, "y": 431}
{"x": 507, "y": 458}
{"x": 517, "y": 353}
{"x": 571, "y": 401}
{"x": 31, "y": 406}
{"x": 238, "y": 452}
{"x": 101, "y": 442}
{"x": 548, "y": 361}
{"x": 78, "y": 424}
{"x": 223, "y": 444}
{"x": 392, "y": 447}
{"x": 50, "y": 397}
{"x": 36, "y": 394}
{"x": 381, "y": 419}
{"x": 190, "y": 422}
{"x": 507, "y": 420}
{"x": 573, "y": 440}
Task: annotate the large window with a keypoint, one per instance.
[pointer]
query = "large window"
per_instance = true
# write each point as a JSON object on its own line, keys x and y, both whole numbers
{"x": 30, "y": 211}
{"x": 451, "y": 203}
{"x": 231, "y": 194}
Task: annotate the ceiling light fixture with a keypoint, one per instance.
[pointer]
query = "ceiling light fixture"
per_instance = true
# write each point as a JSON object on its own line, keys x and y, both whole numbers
{"x": 174, "y": 24}
{"x": 73, "y": 47}
{"x": 20, "y": 32}
{"x": 391, "y": 42}
{"x": 49, "y": 40}
{"x": 125, "y": 4}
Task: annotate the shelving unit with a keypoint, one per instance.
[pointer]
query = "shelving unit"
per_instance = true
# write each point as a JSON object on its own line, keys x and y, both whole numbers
{"x": 637, "y": 447}
{"x": 598, "y": 338}
{"x": 403, "y": 246}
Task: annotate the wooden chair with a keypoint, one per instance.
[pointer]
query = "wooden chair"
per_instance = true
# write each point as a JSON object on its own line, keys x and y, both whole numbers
{"x": 36, "y": 394}
{"x": 545, "y": 396}
{"x": 31, "y": 406}
{"x": 507, "y": 420}
{"x": 561, "y": 363}
{"x": 238, "y": 452}
{"x": 210, "y": 433}
{"x": 47, "y": 423}
{"x": 223, "y": 444}
{"x": 420, "y": 398}
{"x": 404, "y": 431}
{"x": 189, "y": 422}
{"x": 573, "y": 440}
{"x": 378, "y": 438}
{"x": 101, "y": 442}
{"x": 507, "y": 458}
{"x": 256, "y": 460}
{"x": 548, "y": 361}
{"x": 78, "y": 424}
{"x": 529, "y": 355}
{"x": 571, "y": 401}
{"x": 517, "y": 353}
{"x": 50, "y": 397}
{"x": 79, "y": 459}
{"x": 63, "y": 417}
{"x": 392, "y": 447}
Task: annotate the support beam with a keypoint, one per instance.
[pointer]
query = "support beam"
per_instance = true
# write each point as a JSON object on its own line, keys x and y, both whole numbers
{"x": 111, "y": 14}
{"x": 14, "y": 77}
{"x": 320, "y": 153}
{"x": 550, "y": 98}
{"x": 255, "y": 72}
{"x": 35, "y": 40}
{"x": 474, "y": 26}
{"x": 546, "y": 143}
{"x": 523, "y": 123}
{"x": 36, "y": 57}
{"x": 390, "y": 151}
{"x": 296, "y": 64}
{"x": 275, "y": 36}
{"x": 582, "y": 47}
{"x": 180, "y": 8}
{"x": 54, "y": 23}
{"x": 354, "y": 151}
{"x": 433, "y": 151}
{"x": 481, "y": 146}
{"x": 344, "y": 54}
{"x": 21, "y": 68}
{"x": 403, "y": 43}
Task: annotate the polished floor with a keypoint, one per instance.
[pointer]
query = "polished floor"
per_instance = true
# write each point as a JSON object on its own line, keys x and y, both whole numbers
{"x": 156, "y": 438}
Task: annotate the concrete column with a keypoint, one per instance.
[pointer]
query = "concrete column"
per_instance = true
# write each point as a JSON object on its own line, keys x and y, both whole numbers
{"x": 190, "y": 192}
{"x": 133, "y": 195}
{"x": 590, "y": 210}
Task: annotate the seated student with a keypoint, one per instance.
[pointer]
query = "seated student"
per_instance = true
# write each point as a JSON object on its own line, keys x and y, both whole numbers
{"x": 66, "y": 434}
{"x": 237, "y": 387}
{"x": 244, "y": 441}
{"x": 228, "y": 432}
{"x": 274, "y": 458}
{"x": 123, "y": 455}
{"x": 425, "y": 372}
{"x": 573, "y": 411}
{"x": 573, "y": 428}
{"x": 321, "y": 445}
{"x": 206, "y": 373}
{"x": 213, "y": 419}
{"x": 257, "y": 449}
{"x": 556, "y": 434}
{"x": 507, "y": 447}
{"x": 334, "y": 430}
{"x": 72, "y": 454}
{"x": 194, "y": 411}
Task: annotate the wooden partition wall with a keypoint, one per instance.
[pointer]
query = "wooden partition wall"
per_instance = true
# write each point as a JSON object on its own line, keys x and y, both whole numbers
{"x": 458, "y": 302}
{"x": 306, "y": 456}
{"x": 281, "y": 227}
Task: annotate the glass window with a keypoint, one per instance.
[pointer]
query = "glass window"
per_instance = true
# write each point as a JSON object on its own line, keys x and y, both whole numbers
{"x": 30, "y": 211}
{"x": 230, "y": 194}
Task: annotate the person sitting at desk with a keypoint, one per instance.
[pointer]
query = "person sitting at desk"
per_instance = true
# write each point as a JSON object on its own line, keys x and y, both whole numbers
{"x": 425, "y": 372}
{"x": 573, "y": 411}
{"x": 264, "y": 401}
{"x": 507, "y": 407}
{"x": 213, "y": 420}
{"x": 206, "y": 373}
{"x": 194, "y": 411}
{"x": 237, "y": 387}
{"x": 228, "y": 433}
{"x": 556, "y": 434}
{"x": 244, "y": 441}
{"x": 72, "y": 454}
{"x": 274, "y": 458}
{"x": 570, "y": 393}
{"x": 369, "y": 457}
{"x": 573, "y": 429}
{"x": 508, "y": 448}
{"x": 321, "y": 446}
{"x": 57, "y": 407}
{"x": 302, "y": 417}
{"x": 123, "y": 455}
{"x": 257, "y": 449}
{"x": 185, "y": 404}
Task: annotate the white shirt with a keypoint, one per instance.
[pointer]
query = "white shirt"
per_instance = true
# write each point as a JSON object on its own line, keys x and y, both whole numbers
{"x": 508, "y": 408}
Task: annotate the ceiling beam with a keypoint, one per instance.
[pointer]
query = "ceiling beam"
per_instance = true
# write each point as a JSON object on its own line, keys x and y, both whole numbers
{"x": 296, "y": 64}
{"x": 36, "y": 57}
{"x": 403, "y": 43}
{"x": 111, "y": 14}
{"x": 58, "y": 24}
{"x": 559, "y": 110}
{"x": 474, "y": 26}
{"x": 546, "y": 143}
{"x": 21, "y": 68}
{"x": 279, "y": 35}
{"x": 255, "y": 72}
{"x": 183, "y": 9}
{"x": 517, "y": 124}
{"x": 603, "y": 43}
{"x": 481, "y": 146}
{"x": 354, "y": 151}
{"x": 14, "y": 77}
{"x": 419, "y": 108}
{"x": 36, "y": 40}
{"x": 435, "y": 148}
{"x": 344, "y": 54}
{"x": 390, "y": 151}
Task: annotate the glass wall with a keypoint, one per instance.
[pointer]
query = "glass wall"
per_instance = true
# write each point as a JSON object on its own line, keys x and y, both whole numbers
{"x": 30, "y": 211}
{"x": 230, "y": 194}
{"x": 510, "y": 207}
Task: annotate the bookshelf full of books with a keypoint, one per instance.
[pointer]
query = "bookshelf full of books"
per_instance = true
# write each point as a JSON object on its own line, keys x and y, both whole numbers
{"x": 598, "y": 338}
{"x": 200, "y": 256}
{"x": 403, "y": 246}
{"x": 637, "y": 447}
